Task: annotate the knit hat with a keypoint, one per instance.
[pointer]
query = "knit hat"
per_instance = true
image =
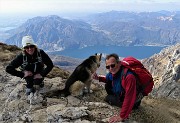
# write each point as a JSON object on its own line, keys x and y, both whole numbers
{"x": 27, "y": 40}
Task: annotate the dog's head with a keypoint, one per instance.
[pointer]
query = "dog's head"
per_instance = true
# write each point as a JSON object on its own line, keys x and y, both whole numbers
{"x": 98, "y": 58}
{"x": 94, "y": 62}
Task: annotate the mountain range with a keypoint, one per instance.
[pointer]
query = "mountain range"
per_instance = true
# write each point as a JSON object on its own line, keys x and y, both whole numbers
{"x": 54, "y": 33}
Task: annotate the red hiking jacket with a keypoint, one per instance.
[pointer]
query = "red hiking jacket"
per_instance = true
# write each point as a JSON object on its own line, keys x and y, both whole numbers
{"x": 129, "y": 86}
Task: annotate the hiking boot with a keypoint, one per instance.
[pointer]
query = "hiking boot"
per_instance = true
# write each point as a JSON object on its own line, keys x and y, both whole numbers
{"x": 29, "y": 90}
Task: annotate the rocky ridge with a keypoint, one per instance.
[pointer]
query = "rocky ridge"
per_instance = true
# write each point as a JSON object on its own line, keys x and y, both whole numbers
{"x": 165, "y": 67}
{"x": 88, "y": 109}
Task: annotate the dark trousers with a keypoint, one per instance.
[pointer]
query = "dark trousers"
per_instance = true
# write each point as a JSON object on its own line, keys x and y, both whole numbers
{"x": 30, "y": 82}
{"x": 117, "y": 100}
{"x": 108, "y": 88}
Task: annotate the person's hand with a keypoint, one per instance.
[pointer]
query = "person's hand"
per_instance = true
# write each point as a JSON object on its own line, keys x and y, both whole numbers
{"x": 95, "y": 76}
{"x": 115, "y": 118}
{"x": 27, "y": 73}
{"x": 37, "y": 76}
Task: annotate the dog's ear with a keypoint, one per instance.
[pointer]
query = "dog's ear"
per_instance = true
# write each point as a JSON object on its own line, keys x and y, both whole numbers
{"x": 100, "y": 54}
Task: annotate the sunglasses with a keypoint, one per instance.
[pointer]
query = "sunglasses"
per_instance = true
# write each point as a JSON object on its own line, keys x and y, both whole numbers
{"x": 112, "y": 66}
{"x": 30, "y": 46}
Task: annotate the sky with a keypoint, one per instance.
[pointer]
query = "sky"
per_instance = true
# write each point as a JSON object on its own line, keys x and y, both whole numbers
{"x": 80, "y": 6}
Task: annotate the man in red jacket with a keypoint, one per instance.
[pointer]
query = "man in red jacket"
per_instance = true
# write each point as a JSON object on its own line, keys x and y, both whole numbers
{"x": 121, "y": 92}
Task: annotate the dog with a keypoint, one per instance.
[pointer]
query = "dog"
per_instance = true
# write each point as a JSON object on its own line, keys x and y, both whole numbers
{"x": 83, "y": 73}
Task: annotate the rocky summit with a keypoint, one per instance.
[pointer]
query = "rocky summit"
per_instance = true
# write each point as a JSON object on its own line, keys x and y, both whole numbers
{"x": 161, "y": 106}
{"x": 165, "y": 67}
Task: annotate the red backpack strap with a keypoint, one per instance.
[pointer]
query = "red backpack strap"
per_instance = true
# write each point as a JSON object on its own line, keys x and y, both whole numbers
{"x": 127, "y": 71}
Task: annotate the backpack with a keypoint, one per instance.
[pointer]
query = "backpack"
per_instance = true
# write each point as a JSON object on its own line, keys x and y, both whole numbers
{"x": 143, "y": 76}
{"x": 25, "y": 62}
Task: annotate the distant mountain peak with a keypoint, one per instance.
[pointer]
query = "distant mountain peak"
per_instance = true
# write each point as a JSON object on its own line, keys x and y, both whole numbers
{"x": 53, "y": 33}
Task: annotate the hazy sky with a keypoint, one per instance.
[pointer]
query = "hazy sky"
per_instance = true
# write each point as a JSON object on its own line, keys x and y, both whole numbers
{"x": 70, "y": 6}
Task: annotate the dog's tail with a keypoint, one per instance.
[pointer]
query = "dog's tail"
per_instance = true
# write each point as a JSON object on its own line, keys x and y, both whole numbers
{"x": 64, "y": 93}
{"x": 56, "y": 93}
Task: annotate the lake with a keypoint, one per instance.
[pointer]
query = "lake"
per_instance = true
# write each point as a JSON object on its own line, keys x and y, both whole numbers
{"x": 139, "y": 52}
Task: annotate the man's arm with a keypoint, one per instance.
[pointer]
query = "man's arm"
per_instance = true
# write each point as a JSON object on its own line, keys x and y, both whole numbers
{"x": 129, "y": 84}
{"x": 101, "y": 78}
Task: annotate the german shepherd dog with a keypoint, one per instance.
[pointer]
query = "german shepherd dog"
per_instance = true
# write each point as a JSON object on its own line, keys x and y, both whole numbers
{"x": 82, "y": 73}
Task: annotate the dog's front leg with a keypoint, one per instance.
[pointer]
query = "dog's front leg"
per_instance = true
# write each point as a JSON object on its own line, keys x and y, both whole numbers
{"x": 88, "y": 86}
